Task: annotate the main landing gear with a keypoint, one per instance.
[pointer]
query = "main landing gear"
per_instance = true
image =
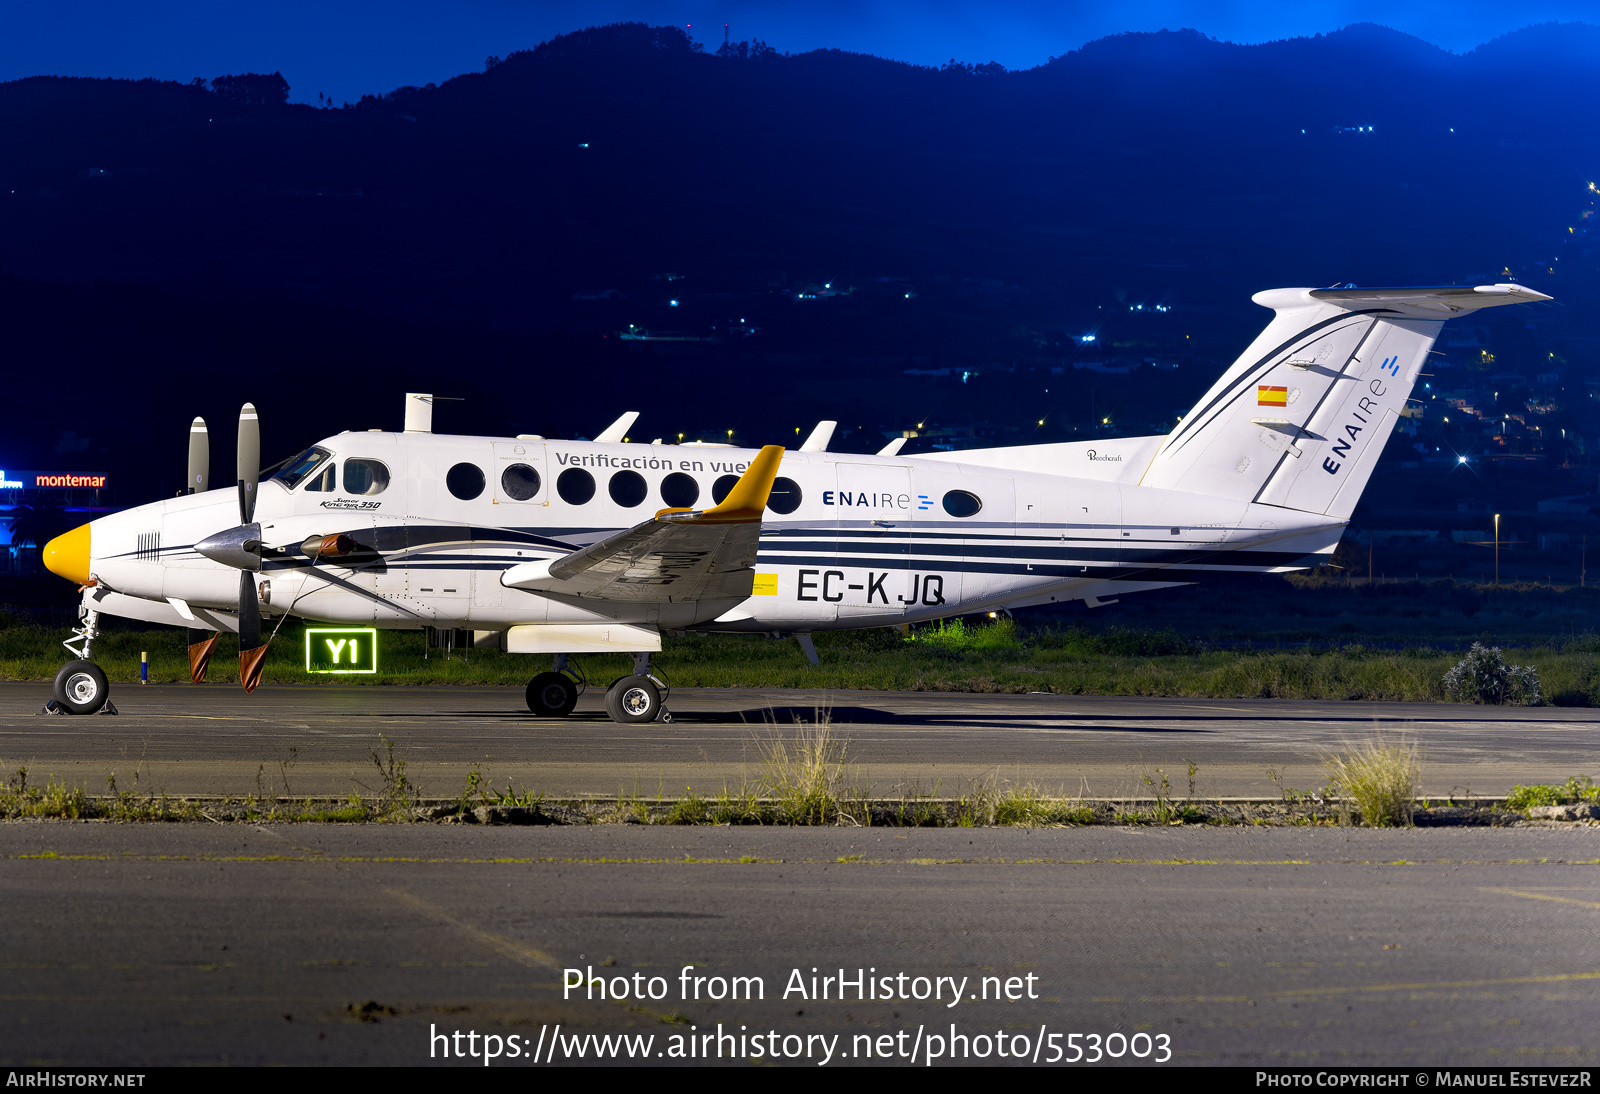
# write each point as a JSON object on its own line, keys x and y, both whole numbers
{"x": 553, "y": 694}
{"x": 633, "y": 699}
{"x": 81, "y": 686}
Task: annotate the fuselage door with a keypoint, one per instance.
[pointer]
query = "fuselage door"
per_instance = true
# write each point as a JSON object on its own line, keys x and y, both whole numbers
{"x": 872, "y": 519}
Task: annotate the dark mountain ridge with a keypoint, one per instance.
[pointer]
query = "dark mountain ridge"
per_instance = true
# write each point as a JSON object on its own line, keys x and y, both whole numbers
{"x": 860, "y": 216}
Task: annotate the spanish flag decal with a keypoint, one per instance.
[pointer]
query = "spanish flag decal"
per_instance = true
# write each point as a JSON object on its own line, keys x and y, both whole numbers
{"x": 1272, "y": 396}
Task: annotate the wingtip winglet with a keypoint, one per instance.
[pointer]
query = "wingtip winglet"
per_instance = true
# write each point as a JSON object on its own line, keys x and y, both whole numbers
{"x": 748, "y": 498}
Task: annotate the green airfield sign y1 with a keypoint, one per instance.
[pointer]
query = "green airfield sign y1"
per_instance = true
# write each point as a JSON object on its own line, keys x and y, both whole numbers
{"x": 341, "y": 649}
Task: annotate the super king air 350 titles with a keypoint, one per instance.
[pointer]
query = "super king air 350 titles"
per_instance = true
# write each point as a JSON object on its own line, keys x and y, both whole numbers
{"x": 571, "y": 547}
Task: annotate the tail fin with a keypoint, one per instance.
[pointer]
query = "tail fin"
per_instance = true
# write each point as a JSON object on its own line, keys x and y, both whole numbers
{"x": 1300, "y": 419}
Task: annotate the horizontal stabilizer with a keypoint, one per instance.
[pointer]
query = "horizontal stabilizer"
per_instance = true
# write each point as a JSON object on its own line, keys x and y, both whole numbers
{"x": 1329, "y": 378}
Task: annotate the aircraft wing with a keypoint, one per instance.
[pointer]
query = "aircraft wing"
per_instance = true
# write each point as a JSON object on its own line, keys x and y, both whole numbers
{"x": 679, "y": 555}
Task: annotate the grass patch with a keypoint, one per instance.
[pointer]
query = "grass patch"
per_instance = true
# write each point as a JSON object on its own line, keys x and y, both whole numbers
{"x": 1578, "y": 788}
{"x": 804, "y": 772}
{"x": 958, "y": 656}
{"x": 54, "y": 799}
{"x": 1381, "y": 779}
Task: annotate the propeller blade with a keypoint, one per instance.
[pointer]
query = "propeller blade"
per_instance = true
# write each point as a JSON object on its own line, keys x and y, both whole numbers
{"x": 249, "y": 462}
{"x": 201, "y": 643}
{"x": 199, "y": 457}
{"x": 252, "y": 654}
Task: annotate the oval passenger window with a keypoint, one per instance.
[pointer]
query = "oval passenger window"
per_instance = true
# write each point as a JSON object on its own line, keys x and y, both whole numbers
{"x": 575, "y": 485}
{"x": 519, "y": 481}
{"x": 627, "y": 488}
{"x": 722, "y": 487}
{"x": 785, "y": 496}
{"x": 465, "y": 480}
{"x": 959, "y": 503}
{"x": 365, "y": 477}
{"x": 679, "y": 491}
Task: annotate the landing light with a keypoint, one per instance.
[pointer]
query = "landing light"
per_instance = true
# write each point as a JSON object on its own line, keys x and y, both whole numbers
{"x": 1461, "y": 459}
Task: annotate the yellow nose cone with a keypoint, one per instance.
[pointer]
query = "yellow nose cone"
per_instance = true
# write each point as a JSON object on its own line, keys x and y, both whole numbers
{"x": 68, "y": 555}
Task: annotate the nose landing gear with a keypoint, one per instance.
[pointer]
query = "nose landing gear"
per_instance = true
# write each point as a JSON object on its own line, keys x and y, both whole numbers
{"x": 81, "y": 686}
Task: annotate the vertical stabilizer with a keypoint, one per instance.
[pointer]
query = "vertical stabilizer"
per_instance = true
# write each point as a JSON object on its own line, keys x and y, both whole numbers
{"x": 1301, "y": 418}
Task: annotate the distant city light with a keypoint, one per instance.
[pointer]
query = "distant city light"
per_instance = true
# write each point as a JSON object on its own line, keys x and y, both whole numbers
{"x": 1086, "y": 338}
{"x": 673, "y": 303}
{"x": 1461, "y": 459}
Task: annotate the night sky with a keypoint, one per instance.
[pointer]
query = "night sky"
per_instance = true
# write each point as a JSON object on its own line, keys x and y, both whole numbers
{"x": 351, "y": 47}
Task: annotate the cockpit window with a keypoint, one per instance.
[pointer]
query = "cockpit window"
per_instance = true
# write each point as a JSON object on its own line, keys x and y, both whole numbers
{"x": 321, "y": 479}
{"x": 302, "y": 465}
{"x": 365, "y": 477}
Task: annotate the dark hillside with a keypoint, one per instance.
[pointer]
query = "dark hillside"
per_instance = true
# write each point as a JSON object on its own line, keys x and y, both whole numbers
{"x": 618, "y": 219}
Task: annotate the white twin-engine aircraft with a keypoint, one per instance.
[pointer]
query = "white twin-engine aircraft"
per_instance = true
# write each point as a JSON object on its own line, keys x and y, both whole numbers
{"x": 541, "y": 540}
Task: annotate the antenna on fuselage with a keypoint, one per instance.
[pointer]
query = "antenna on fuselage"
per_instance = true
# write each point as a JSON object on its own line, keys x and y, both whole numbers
{"x": 419, "y": 412}
{"x": 820, "y": 436}
{"x": 617, "y": 430}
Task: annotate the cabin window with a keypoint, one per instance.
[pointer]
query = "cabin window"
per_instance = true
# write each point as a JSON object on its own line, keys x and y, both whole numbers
{"x": 302, "y": 465}
{"x": 627, "y": 488}
{"x": 679, "y": 491}
{"x": 722, "y": 488}
{"x": 465, "y": 480}
{"x": 365, "y": 477}
{"x": 322, "y": 480}
{"x": 519, "y": 481}
{"x": 575, "y": 485}
{"x": 960, "y": 503}
{"x": 785, "y": 497}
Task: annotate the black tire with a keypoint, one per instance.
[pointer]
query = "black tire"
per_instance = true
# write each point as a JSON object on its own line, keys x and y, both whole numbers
{"x": 633, "y": 700}
{"x": 81, "y": 687}
{"x": 552, "y": 695}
